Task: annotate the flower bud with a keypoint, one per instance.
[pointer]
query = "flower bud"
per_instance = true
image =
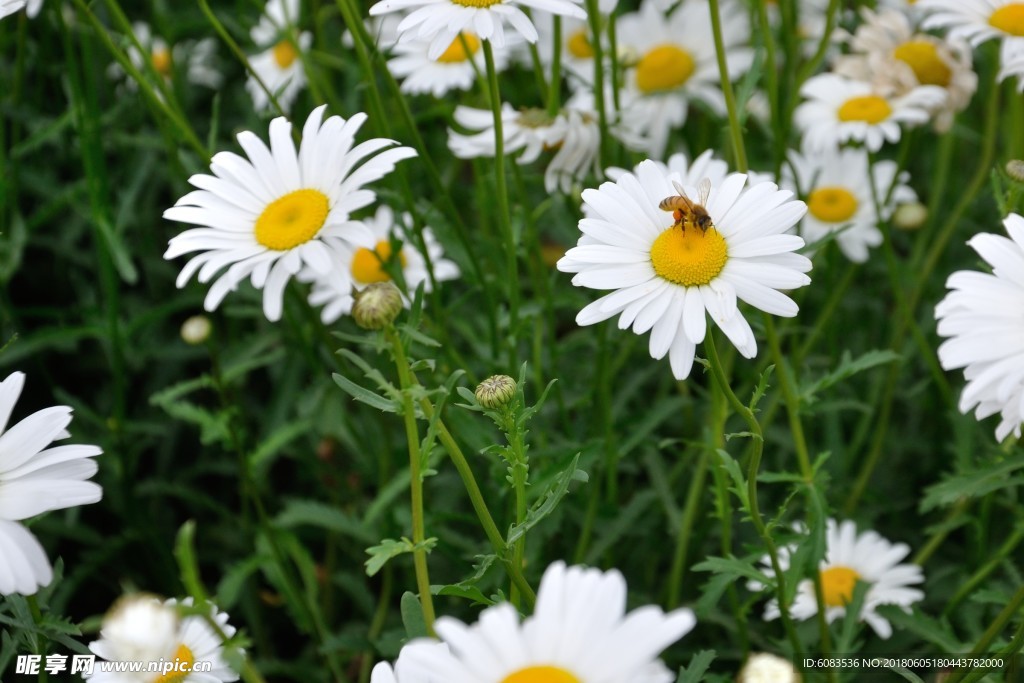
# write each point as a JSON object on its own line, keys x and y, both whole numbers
{"x": 1015, "y": 169}
{"x": 762, "y": 667}
{"x": 910, "y": 216}
{"x": 495, "y": 391}
{"x": 196, "y": 330}
{"x": 377, "y": 305}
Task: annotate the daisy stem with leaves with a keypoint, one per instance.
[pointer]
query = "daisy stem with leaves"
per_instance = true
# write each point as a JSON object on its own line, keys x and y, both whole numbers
{"x": 419, "y": 553}
{"x": 757, "y": 437}
{"x": 504, "y": 218}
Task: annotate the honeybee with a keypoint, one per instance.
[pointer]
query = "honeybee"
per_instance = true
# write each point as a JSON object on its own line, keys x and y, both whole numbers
{"x": 685, "y": 210}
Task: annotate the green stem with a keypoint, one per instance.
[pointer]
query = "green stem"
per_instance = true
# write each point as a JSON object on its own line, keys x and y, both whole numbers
{"x": 735, "y": 129}
{"x": 504, "y": 217}
{"x": 419, "y": 535}
{"x": 718, "y": 372}
{"x": 520, "y": 474}
{"x": 555, "y": 84}
{"x": 243, "y": 59}
{"x": 476, "y": 499}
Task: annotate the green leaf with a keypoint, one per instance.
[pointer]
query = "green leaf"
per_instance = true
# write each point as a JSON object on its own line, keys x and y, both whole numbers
{"x": 762, "y": 388}
{"x": 980, "y": 482}
{"x": 739, "y": 483}
{"x": 412, "y": 616}
{"x": 735, "y": 568}
{"x": 548, "y": 502}
{"x": 390, "y": 548}
{"x": 699, "y": 664}
{"x": 328, "y": 517}
{"x": 364, "y": 395}
{"x": 848, "y": 366}
{"x": 907, "y": 674}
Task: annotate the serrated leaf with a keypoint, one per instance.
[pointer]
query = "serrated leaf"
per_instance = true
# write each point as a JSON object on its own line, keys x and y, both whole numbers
{"x": 739, "y": 483}
{"x": 980, "y": 482}
{"x": 848, "y": 366}
{"x": 271, "y": 446}
{"x": 699, "y": 664}
{"x": 735, "y": 567}
{"x": 548, "y": 502}
{"x": 761, "y": 389}
{"x": 389, "y": 548}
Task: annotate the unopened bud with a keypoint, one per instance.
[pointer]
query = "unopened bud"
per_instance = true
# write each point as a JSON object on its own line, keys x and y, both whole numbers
{"x": 762, "y": 667}
{"x": 495, "y": 391}
{"x": 196, "y": 330}
{"x": 1015, "y": 169}
{"x": 910, "y": 216}
{"x": 377, "y": 305}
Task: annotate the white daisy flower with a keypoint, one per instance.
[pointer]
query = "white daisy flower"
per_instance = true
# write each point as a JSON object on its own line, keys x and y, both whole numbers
{"x": 837, "y": 188}
{"x": 138, "y": 628}
{"x": 278, "y": 16}
{"x": 888, "y": 53}
{"x": 197, "y": 56}
{"x": 982, "y": 317}
{"x": 1011, "y": 61}
{"x": 271, "y": 214}
{"x": 452, "y": 70}
{"x": 851, "y": 557}
{"x": 691, "y": 174}
{"x": 763, "y": 667}
{"x": 675, "y": 63}
{"x": 667, "y": 274}
{"x": 36, "y": 478}
{"x": 9, "y": 7}
{"x": 365, "y": 265}
{"x": 280, "y": 68}
{"x": 440, "y": 21}
{"x": 580, "y": 632}
{"x": 976, "y": 20}
{"x": 144, "y": 629}
{"x": 573, "y": 133}
{"x": 839, "y": 110}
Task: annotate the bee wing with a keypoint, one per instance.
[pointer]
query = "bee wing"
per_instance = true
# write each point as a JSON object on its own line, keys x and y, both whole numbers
{"x": 704, "y": 191}
{"x": 679, "y": 189}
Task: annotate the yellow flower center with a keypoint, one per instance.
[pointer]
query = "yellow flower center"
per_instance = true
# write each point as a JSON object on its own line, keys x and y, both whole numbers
{"x": 541, "y": 674}
{"x": 292, "y": 220}
{"x": 870, "y": 108}
{"x": 477, "y": 3}
{"x": 368, "y": 265}
{"x": 186, "y": 659}
{"x": 285, "y": 54}
{"x": 689, "y": 257}
{"x": 456, "y": 52}
{"x": 1009, "y": 19}
{"x": 579, "y": 45}
{"x": 162, "y": 61}
{"x": 664, "y": 68}
{"x": 923, "y": 58}
{"x": 837, "y": 585}
{"x": 832, "y": 204}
